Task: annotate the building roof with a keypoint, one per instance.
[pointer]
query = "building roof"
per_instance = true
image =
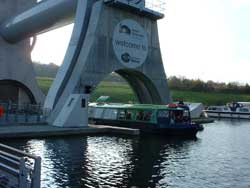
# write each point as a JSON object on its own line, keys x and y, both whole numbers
{"x": 133, "y": 106}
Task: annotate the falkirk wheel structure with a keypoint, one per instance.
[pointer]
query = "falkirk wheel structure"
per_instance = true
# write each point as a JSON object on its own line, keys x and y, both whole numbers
{"x": 109, "y": 36}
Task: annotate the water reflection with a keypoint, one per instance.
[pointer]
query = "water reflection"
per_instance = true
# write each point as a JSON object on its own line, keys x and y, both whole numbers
{"x": 152, "y": 155}
{"x": 104, "y": 161}
{"x": 62, "y": 164}
{"x": 108, "y": 161}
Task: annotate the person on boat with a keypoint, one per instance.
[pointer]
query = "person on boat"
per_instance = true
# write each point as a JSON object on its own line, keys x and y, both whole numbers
{"x": 234, "y": 106}
{"x": 181, "y": 103}
{"x": 128, "y": 115}
{"x": 148, "y": 116}
{"x": 179, "y": 116}
{"x": 140, "y": 115}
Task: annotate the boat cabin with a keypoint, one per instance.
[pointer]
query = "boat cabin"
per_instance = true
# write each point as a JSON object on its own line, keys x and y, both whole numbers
{"x": 152, "y": 114}
{"x": 219, "y": 108}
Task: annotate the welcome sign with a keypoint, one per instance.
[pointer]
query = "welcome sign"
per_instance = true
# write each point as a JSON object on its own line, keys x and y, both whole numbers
{"x": 130, "y": 43}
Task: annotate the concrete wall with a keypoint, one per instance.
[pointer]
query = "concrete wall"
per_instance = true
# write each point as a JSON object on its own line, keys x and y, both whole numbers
{"x": 15, "y": 59}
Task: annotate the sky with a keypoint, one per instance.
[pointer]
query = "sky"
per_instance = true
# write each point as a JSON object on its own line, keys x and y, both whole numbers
{"x": 205, "y": 39}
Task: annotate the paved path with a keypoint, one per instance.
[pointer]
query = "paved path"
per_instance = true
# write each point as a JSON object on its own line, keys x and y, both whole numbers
{"x": 34, "y": 131}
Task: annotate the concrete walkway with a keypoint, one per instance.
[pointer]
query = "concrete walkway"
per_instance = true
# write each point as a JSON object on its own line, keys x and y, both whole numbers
{"x": 35, "y": 131}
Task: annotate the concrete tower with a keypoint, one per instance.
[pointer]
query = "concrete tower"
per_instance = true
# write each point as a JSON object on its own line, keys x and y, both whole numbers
{"x": 120, "y": 37}
{"x": 17, "y": 78}
{"x": 109, "y": 36}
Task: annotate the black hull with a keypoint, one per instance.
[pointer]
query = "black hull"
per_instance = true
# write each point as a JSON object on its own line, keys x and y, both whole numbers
{"x": 187, "y": 131}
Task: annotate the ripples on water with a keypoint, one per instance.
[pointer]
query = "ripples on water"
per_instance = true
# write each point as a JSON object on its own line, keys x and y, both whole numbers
{"x": 219, "y": 157}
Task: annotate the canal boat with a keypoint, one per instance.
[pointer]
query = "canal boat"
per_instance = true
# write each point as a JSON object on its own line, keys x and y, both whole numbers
{"x": 237, "y": 110}
{"x": 154, "y": 119}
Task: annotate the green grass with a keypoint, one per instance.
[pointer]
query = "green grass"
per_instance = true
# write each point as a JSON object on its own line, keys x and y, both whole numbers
{"x": 121, "y": 92}
{"x": 44, "y": 83}
{"x": 118, "y": 92}
{"x": 208, "y": 98}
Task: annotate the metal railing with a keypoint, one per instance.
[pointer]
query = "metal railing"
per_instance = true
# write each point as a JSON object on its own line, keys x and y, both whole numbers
{"x": 23, "y": 113}
{"x": 156, "y": 5}
{"x": 19, "y": 169}
{"x": 153, "y": 5}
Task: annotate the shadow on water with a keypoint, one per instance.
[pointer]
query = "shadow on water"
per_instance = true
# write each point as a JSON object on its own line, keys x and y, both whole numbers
{"x": 151, "y": 156}
{"x": 106, "y": 161}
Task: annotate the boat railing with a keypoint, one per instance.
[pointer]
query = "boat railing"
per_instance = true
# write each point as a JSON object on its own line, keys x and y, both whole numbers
{"x": 19, "y": 169}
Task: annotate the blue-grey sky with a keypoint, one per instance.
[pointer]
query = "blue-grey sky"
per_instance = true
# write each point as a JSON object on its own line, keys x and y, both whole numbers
{"x": 206, "y": 39}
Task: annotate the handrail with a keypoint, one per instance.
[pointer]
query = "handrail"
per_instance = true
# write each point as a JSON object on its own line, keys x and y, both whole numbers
{"x": 9, "y": 161}
{"x": 13, "y": 165}
{"x": 17, "y": 151}
{"x": 9, "y": 170}
{"x": 9, "y": 155}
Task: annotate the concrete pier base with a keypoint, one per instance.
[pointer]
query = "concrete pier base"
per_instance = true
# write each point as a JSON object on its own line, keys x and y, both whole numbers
{"x": 41, "y": 131}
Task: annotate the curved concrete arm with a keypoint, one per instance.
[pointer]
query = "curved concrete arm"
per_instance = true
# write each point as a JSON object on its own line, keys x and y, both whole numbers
{"x": 46, "y": 15}
{"x": 83, "y": 12}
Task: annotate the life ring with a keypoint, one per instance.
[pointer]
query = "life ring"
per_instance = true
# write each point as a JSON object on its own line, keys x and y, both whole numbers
{"x": 1, "y": 111}
{"x": 172, "y": 105}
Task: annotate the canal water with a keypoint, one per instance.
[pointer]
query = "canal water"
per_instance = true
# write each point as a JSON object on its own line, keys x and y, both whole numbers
{"x": 219, "y": 157}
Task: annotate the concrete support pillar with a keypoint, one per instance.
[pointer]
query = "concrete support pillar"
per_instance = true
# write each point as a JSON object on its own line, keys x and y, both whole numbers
{"x": 74, "y": 112}
{"x": 15, "y": 59}
{"x": 116, "y": 40}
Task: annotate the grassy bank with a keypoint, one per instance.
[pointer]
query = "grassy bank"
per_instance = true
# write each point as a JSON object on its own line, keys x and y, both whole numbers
{"x": 121, "y": 92}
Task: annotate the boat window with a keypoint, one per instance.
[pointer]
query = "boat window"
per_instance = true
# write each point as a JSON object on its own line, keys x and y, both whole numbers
{"x": 163, "y": 114}
{"x": 226, "y": 109}
{"x": 185, "y": 113}
{"x": 212, "y": 108}
{"x": 125, "y": 114}
{"x": 244, "y": 110}
{"x": 179, "y": 116}
{"x": 110, "y": 114}
{"x": 163, "y": 117}
{"x": 121, "y": 114}
{"x": 98, "y": 113}
{"x": 128, "y": 114}
{"x": 147, "y": 115}
{"x": 219, "y": 109}
{"x": 139, "y": 115}
{"x": 144, "y": 115}
{"x": 186, "y": 116}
